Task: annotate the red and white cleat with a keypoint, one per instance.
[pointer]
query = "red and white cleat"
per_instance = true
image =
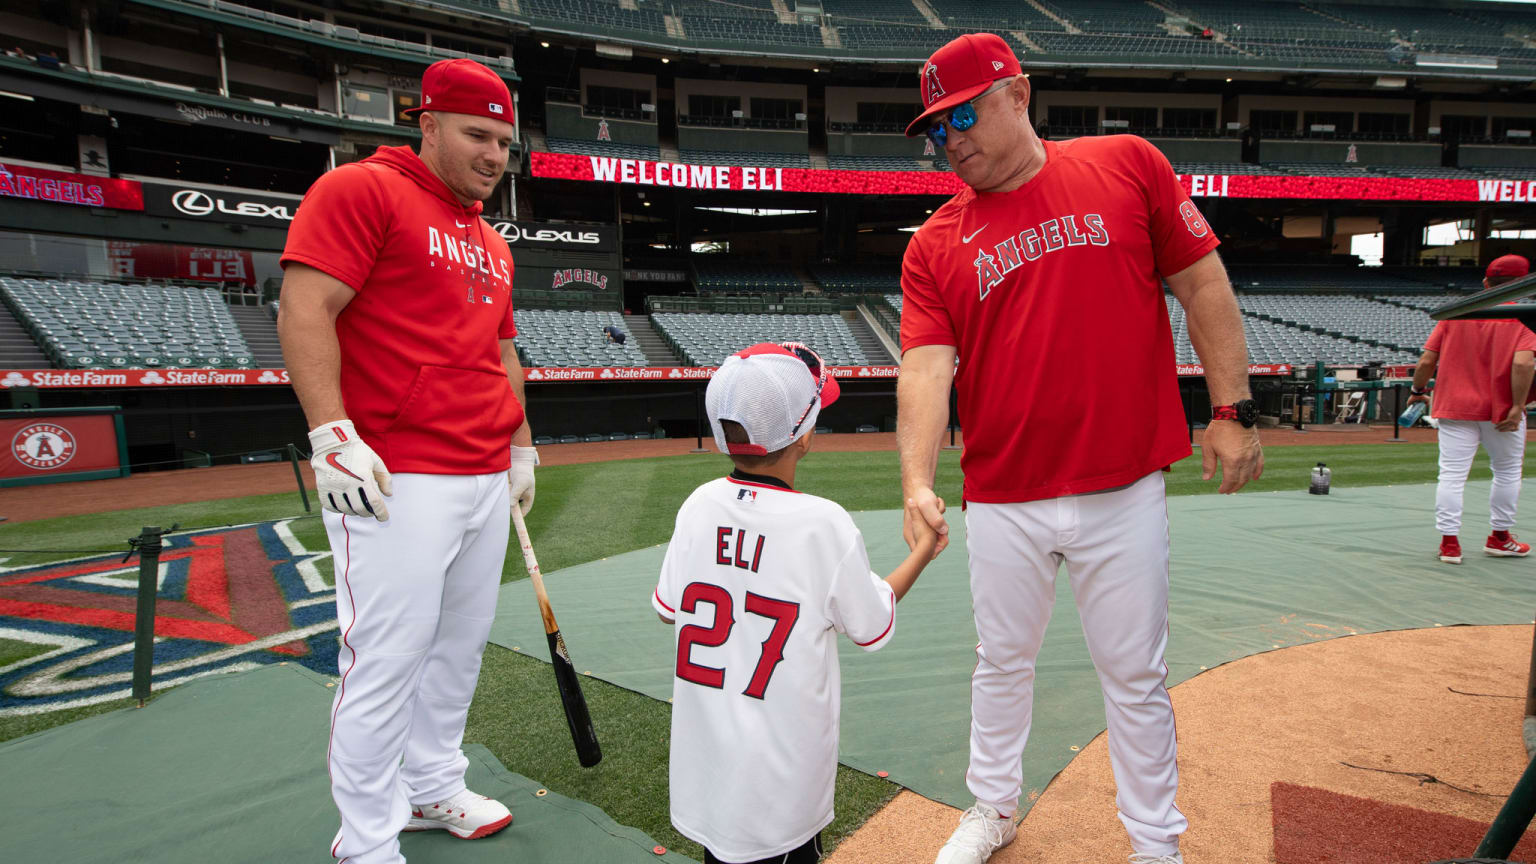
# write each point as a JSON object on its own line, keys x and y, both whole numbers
{"x": 1503, "y": 544}
{"x": 466, "y": 815}
{"x": 1450, "y": 550}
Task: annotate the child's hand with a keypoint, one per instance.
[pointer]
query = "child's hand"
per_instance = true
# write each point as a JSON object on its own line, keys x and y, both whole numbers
{"x": 929, "y": 545}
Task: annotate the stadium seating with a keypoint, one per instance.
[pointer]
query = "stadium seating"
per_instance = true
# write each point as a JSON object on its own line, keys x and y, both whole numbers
{"x": 895, "y": 301}
{"x": 1224, "y": 168}
{"x": 1455, "y": 278}
{"x": 874, "y": 11}
{"x": 873, "y": 163}
{"x": 598, "y": 14}
{"x": 603, "y": 148}
{"x": 1285, "y": 31}
{"x": 86, "y": 324}
{"x": 1144, "y": 45}
{"x": 549, "y": 337}
{"x": 906, "y": 40}
{"x": 1322, "y": 169}
{"x": 1110, "y": 16}
{"x": 734, "y": 22}
{"x": 873, "y": 278}
{"x": 1434, "y": 30}
{"x": 746, "y": 157}
{"x": 1429, "y": 171}
{"x": 1423, "y": 302}
{"x": 704, "y": 339}
{"x": 1358, "y": 317}
{"x": 993, "y": 15}
{"x": 727, "y": 276}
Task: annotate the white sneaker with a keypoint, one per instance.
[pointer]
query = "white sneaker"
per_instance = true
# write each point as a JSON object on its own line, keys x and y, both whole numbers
{"x": 466, "y": 815}
{"x": 1144, "y": 858}
{"x": 980, "y": 833}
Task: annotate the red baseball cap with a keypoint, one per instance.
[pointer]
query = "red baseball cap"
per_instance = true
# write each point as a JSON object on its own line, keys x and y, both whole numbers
{"x": 1508, "y": 265}
{"x": 463, "y": 86}
{"x": 958, "y": 73}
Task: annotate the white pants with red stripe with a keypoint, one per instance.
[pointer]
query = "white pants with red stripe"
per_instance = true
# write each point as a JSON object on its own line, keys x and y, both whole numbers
{"x": 1458, "y": 446}
{"x": 415, "y": 597}
{"x": 1115, "y": 546}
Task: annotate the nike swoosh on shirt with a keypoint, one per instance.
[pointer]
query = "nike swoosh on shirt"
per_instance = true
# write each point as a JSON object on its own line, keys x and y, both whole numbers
{"x": 334, "y": 460}
{"x": 974, "y": 233}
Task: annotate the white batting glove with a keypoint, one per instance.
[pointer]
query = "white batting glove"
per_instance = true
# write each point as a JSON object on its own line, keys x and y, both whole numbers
{"x": 350, "y": 477}
{"x": 520, "y": 476}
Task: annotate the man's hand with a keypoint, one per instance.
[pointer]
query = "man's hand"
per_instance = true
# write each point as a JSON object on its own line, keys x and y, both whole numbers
{"x": 351, "y": 479}
{"x": 1418, "y": 397}
{"x": 924, "y": 515}
{"x": 520, "y": 476}
{"x": 1238, "y": 451}
{"x": 1511, "y": 421}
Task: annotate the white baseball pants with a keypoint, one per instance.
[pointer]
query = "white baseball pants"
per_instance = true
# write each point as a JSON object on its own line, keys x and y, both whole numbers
{"x": 1115, "y": 546}
{"x": 415, "y": 597}
{"x": 1506, "y": 455}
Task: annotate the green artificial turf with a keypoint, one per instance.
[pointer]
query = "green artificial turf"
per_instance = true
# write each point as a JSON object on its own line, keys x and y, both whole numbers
{"x": 13, "y": 651}
{"x": 517, "y": 716}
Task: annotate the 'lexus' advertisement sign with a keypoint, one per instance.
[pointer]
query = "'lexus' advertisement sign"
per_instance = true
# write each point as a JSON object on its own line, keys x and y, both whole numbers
{"x": 556, "y": 236}
{"x": 220, "y": 205}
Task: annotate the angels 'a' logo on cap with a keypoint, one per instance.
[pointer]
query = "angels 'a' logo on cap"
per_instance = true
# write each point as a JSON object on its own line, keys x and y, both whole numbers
{"x": 931, "y": 83}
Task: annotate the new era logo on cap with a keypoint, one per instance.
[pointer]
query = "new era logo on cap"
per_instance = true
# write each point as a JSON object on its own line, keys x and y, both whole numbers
{"x": 996, "y": 65}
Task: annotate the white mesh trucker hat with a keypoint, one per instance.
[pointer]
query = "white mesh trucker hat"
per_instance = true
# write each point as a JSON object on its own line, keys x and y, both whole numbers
{"x": 775, "y": 391}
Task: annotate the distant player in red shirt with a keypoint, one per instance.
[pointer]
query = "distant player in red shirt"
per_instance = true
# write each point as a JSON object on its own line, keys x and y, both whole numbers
{"x": 1044, "y": 278}
{"x": 396, "y": 325}
{"x": 1482, "y": 371}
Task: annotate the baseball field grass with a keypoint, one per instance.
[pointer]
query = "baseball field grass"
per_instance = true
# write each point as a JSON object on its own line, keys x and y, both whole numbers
{"x": 589, "y": 511}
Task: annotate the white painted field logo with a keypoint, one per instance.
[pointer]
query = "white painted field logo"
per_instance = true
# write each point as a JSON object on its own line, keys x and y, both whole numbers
{"x": 43, "y": 446}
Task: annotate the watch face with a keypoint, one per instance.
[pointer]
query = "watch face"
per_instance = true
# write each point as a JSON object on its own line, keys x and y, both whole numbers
{"x": 1247, "y": 412}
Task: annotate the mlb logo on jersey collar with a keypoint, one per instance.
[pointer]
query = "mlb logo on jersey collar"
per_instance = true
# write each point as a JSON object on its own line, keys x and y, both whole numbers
{"x": 747, "y": 495}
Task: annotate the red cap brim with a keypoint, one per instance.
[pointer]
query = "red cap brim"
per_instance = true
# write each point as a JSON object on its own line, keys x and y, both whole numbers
{"x": 830, "y": 391}
{"x": 920, "y": 125}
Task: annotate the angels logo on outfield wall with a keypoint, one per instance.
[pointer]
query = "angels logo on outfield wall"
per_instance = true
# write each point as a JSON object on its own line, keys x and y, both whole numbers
{"x": 227, "y": 600}
{"x": 576, "y": 274}
{"x": 43, "y": 446}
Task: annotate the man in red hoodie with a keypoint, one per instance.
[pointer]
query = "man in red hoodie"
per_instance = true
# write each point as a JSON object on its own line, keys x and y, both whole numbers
{"x": 396, "y": 325}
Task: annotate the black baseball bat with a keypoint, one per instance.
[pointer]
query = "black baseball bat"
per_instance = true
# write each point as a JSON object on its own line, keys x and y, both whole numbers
{"x": 588, "y": 753}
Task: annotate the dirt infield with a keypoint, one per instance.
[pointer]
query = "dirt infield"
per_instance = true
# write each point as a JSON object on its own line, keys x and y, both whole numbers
{"x": 1295, "y": 716}
{"x": 158, "y": 488}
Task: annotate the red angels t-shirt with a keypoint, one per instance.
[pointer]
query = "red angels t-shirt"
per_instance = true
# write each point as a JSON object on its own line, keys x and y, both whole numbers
{"x": 1052, "y": 294}
{"x": 421, "y": 371}
{"x": 1472, "y": 379}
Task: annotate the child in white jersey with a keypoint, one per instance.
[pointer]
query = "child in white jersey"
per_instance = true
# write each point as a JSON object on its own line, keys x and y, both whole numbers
{"x": 758, "y": 580}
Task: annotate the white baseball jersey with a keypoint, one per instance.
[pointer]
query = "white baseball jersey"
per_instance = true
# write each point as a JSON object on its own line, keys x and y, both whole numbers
{"x": 760, "y": 579}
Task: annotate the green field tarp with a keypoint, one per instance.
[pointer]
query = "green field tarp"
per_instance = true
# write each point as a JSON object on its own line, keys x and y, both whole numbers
{"x": 231, "y": 769}
{"x": 1250, "y": 573}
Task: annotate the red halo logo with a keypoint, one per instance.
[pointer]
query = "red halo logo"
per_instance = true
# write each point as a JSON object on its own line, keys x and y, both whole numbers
{"x": 43, "y": 446}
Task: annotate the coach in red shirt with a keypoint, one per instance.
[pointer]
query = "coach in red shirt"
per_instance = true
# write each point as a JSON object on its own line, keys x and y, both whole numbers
{"x": 1482, "y": 371}
{"x": 1044, "y": 279}
{"x": 397, "y": 327}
